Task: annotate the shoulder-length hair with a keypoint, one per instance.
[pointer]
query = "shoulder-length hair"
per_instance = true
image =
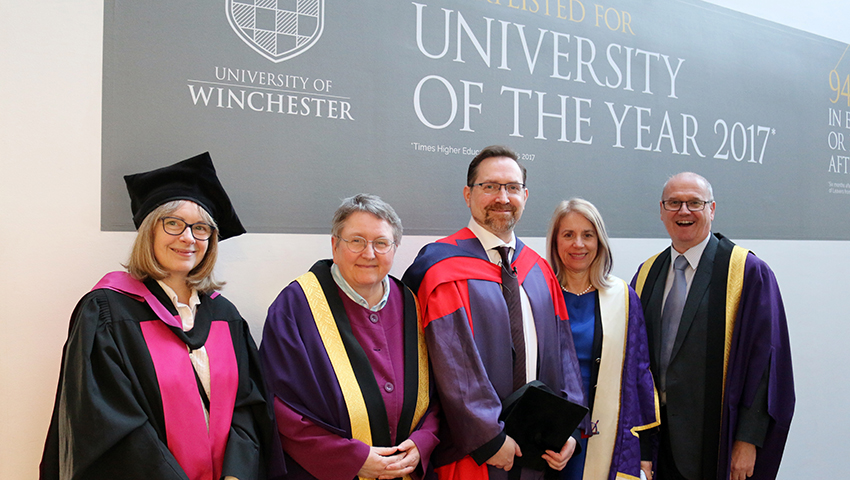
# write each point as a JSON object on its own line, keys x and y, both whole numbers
{"x": 600, "y": 268}
{"x": 143, "y": 264}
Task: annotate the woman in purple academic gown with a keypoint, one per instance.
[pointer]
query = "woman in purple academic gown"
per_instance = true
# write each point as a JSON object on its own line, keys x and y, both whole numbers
{"x": 606, "y": 320}
{"x": 160, "y": 377}
{"x": 345, "y": 358}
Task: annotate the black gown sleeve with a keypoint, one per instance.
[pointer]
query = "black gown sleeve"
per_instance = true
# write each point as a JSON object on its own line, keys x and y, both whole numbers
{"x": 753, "y": 421}
{"x": 101, "y": 427}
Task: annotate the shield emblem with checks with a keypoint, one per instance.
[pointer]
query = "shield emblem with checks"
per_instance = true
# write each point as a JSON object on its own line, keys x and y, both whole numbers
{"x": 277, "y": 29}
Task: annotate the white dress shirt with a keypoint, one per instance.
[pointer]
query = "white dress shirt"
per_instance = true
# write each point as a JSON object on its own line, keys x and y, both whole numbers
{"x": 490, "y": 241}
{"x": 692, "y": 255}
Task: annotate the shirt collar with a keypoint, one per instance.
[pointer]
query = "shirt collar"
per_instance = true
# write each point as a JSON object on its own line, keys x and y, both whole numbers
{"x": 194, "y": 300}
{"x": 488, "y": 239}
{"x": 693, "y": 254}
{"x": 356, "y": 297}
{"x": 186, "y": 312}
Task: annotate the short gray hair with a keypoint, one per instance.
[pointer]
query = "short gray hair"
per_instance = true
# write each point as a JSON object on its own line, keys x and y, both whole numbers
{"x": 365, "y": 202}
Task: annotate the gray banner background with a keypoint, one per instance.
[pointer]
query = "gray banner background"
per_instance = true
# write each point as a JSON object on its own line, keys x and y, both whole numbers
{"x": 287, "y": 172}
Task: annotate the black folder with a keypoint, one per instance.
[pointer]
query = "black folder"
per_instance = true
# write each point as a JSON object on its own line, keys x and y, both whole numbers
{"x": 539, "y": 420}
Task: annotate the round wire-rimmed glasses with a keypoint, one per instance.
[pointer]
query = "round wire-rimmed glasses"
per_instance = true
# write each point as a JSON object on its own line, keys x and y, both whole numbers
{"x": 357, "y": 244}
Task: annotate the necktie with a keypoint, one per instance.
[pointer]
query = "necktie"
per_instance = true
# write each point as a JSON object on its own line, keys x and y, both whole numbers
{"x": 510, "y": 290}
{"x": 671, "y": 316}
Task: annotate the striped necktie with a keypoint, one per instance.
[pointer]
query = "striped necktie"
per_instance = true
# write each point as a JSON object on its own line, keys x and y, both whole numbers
{"x": 510, "y": 290}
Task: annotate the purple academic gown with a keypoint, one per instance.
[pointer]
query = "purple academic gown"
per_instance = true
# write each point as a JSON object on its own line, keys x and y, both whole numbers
{"x": 759, "y": 343}
{"x": 312, "y": 419}
{"x": 473, "y": 372}
{"x": 638, "y": 406}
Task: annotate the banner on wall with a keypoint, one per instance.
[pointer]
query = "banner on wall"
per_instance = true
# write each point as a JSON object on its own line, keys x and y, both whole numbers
{"x": 303, "y": 103}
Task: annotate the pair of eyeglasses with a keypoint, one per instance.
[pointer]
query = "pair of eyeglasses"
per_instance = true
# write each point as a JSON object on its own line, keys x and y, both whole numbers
{"x": 692, "y": 205}
{"x": 493, "y": 188}
{"x": 358, "y": 244}
{"x": 175, "y": 226}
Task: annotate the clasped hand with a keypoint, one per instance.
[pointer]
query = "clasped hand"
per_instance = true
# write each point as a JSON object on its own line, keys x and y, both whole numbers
{"x": 391, "y": 462}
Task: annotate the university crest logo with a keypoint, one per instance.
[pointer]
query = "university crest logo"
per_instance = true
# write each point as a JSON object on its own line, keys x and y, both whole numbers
{"x": 277, "y": 29}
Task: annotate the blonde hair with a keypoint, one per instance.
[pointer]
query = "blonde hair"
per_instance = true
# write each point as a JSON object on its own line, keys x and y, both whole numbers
{"x": 600, "y": 268}
{"x": 143, "y": 264}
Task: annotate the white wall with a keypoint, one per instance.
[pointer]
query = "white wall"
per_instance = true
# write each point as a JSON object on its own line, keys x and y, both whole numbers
{"x": 52, "y": 250}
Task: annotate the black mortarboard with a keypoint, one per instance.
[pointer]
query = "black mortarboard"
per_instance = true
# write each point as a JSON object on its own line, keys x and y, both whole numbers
{"x": 193, "y": 179}
{"x": 539, "y": 420}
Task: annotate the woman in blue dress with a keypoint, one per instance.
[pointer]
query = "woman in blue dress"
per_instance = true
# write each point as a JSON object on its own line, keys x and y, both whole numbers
{"x": 610, "y": 340}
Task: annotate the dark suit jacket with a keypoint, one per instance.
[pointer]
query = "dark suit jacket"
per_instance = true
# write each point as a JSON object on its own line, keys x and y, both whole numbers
{"x": 686, "y": 372}
{"x": 688, "y": 375}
